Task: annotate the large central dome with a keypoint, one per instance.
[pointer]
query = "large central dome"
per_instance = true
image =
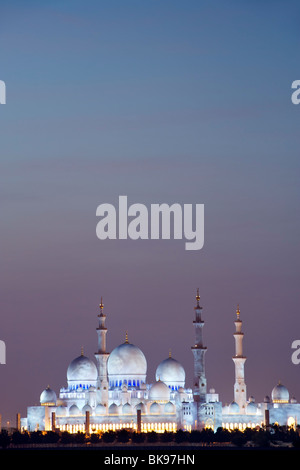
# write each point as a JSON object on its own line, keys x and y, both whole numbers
{"x": 126, "y": 364}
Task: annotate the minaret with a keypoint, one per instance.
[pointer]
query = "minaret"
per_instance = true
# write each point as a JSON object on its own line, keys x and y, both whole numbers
{"x": 240, "y": 394}
{"x": 199, "y": 386}
{"x": 101, "y": 355}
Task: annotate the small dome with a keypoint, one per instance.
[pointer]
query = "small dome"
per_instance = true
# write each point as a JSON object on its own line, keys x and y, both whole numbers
{"x": 48, "y": 397}
{"x": 293, "y": 400}
{"x": 159, "y": 392}
{"x": 251, "y": 408}
{"x": 113, "y": 409}
{"x": 234, "y": 408}
{"x": 155, "y": 408}
{"x": 82, "y": 369}
{"x": 267, "y": 399}
{"x": 169, "y": 408}
{"x": 280, "y": 394}
{"x": 74, "y": 411}
{"x": 171, "y": 373}
{"x": 127, "y": 409}
{"x": 100, "y": 409}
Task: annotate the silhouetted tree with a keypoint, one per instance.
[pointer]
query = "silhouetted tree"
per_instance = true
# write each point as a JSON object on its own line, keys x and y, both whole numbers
{"x": 296, "y": 442}
{"x": 95, "y": 438}
{"x": 109, "y": 436}
{"x": 123, "y": 435}
{"x": 222, "y": 435}
{"x": 166, "y": 436}
{"x": 20, "y": 437}
{"x": 195, "y": 436}
{"x": 36, "y": 437}
{"x": 249, "y": 433}
{"x": 138, "y": 437}
{"x": 4, "y": 439}
{"x": 152, "y": 436}
{"x": 207, "y": 435}
{"x": 238, "y": 438}
{"x": 261, "y": 439}
{"x": 51, "y": 437}
{"x": 66, "y": 437}
{"x": 181, "y": 436}
{"x": 79, "y": 437}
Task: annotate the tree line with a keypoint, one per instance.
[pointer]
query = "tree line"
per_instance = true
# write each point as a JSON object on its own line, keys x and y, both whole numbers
{"x": 274, "y": 435}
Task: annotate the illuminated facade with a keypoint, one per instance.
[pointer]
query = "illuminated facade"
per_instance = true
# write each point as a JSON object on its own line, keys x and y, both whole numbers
{"x": 243, "y": 412}
{"x": 113, "y": 393}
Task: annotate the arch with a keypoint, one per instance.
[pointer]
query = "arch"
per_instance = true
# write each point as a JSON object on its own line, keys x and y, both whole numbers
{"x": 209, "y": 424}
{"x": 74, "y": 410}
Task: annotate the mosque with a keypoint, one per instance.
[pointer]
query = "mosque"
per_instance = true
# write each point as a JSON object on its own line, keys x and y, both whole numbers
{"x": 112, "y": 393}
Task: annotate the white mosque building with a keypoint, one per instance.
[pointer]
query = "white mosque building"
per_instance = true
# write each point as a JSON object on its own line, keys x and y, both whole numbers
{"x": 113, "y": 393}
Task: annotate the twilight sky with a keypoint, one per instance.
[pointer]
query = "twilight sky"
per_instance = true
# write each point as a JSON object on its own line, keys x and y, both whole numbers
{"x": 162, "y": 101}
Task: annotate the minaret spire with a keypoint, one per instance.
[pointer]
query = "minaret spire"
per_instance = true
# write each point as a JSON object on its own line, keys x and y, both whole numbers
{"x": 240, "y": 392}
{"x": 101, "y": 330}
{"x": 102, "y": 355}
{"x": 199, "y": 350}
{"x": 198, "y": 299}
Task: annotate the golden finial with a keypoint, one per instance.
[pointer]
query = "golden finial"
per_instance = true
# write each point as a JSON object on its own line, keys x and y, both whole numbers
{"x": 198, "y": 299}
{"x": 238, "y": 311}
{"x": 170, "y": 353}
{"x": 101, "y": 305}
{"x": 81, "y": 350}
{"x": 126, "y": 337}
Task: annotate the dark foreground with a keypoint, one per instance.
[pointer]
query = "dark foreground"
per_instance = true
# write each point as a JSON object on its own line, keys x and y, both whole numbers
{"x": 131, "y": 450}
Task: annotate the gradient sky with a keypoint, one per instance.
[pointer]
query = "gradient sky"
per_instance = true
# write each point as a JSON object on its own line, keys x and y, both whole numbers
{"x": 162, "y": 101}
